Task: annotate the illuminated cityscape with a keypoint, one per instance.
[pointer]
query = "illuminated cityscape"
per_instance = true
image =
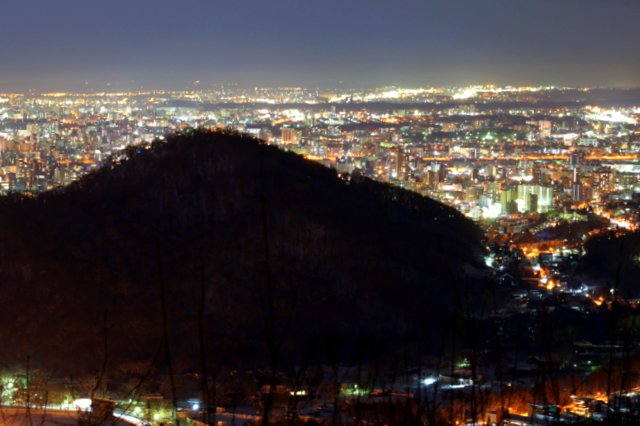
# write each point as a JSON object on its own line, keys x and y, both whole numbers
{"x": 336, "y": 213}
{"x": 495, "y": 154}
{"x": 540, "y": 169}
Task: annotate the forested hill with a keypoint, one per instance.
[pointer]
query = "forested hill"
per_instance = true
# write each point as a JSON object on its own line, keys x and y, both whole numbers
{"x": 613, "y": 262}
{"x": 242, "y": 240}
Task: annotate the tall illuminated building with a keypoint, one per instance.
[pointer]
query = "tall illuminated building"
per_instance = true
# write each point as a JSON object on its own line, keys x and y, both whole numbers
{"x": 544, "y": 128}
{"x": 576, "y": 187}
{"x": 289, "y": 136}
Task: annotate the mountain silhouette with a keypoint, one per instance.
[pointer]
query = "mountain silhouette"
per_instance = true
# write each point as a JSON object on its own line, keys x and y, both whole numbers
{"x": 244, "y": 242}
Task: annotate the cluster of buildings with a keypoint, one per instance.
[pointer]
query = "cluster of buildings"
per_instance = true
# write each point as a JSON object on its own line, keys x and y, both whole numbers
{"x": 489, "y": 152}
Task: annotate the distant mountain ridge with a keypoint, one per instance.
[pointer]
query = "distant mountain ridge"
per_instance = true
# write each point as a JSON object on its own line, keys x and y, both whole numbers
{"x": 242, "y": 239}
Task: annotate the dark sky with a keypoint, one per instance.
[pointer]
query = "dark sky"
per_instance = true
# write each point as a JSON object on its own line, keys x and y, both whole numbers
{"x": 51, "y": 45}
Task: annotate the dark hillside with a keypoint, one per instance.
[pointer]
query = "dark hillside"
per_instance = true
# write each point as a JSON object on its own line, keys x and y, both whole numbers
{"x": 613, "y": 262}
{"x": 200, "y": 214}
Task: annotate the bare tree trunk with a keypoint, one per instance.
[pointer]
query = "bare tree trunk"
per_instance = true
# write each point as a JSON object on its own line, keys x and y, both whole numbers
{"x": 209, "y": 403}
{"x": 165, "y": 336}
{"x": 269, "y": 314}
{"x": 28, "y": 394}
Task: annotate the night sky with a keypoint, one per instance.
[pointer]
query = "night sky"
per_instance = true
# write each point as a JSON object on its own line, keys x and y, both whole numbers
{"x": 52, "y": 45}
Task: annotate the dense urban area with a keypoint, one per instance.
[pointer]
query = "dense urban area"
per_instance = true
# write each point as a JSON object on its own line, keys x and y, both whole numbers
{"x": 542, "y": 170}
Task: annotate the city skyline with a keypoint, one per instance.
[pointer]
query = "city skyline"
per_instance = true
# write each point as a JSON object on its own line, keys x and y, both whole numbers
{"x": 71, "y": 45}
